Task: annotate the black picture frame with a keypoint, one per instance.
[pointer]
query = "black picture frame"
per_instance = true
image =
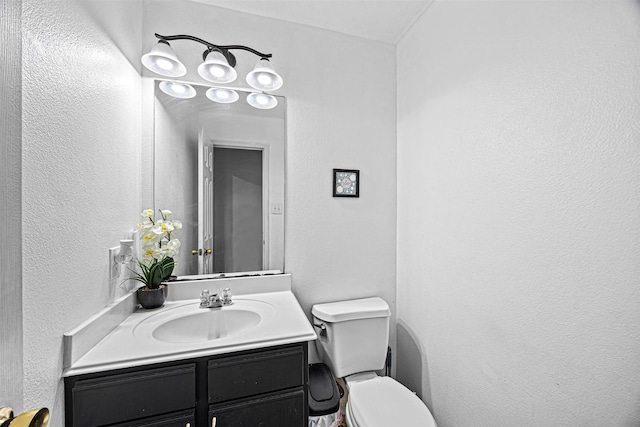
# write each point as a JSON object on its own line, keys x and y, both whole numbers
{"x": 346, "y": 183}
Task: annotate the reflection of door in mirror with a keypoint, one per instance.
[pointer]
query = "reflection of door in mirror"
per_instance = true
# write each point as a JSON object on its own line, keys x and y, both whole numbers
{"x": 206, "y": 209}
{"x": 239, "y": 209}
{"x": 231, "y": 207}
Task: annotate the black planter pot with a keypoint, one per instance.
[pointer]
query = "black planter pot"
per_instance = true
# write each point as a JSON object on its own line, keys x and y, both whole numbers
{"x": 152, "y": 298}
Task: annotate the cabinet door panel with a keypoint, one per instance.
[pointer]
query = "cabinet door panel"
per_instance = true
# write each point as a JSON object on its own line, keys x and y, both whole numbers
{"x": 122, "y": 397}
{"x": 281, "y": 410}
{"x": 182, "y": 419}
{"x": 251, "y": 374}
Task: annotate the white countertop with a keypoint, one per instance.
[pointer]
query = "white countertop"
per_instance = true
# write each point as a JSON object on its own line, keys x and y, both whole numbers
{"x": 132, "y": 343}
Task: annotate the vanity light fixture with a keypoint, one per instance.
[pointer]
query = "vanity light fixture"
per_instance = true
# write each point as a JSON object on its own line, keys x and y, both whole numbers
{"x": 263, "y": 77}
{"x": 177, "y": 89}
{"x": 162, "y": 60}
{"x": 222, "y": 95}
{"x": 218, "y": 67}
{"x": 262, "y": 100}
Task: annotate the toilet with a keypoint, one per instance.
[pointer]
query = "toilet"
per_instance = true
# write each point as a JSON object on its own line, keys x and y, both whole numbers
{"x": 352, "y": 340}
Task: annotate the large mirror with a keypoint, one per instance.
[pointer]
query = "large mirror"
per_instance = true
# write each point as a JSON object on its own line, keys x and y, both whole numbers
{"x": 220, "y": 169}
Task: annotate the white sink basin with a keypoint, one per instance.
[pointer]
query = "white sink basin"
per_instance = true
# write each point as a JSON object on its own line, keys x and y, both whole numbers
{"x": 206, "y": 325}
{"x": 191, "y": 324}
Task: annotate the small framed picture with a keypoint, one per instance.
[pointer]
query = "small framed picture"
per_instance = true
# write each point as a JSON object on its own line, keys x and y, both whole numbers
{"x": 346, "y": 183}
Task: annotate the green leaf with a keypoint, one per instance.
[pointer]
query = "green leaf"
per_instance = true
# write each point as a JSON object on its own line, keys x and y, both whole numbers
{"x": 167, "y": 267}
{"x": 156, "y": 273}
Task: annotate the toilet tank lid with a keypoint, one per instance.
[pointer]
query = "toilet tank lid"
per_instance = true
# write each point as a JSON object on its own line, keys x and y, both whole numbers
{"x": 342, "y": 311}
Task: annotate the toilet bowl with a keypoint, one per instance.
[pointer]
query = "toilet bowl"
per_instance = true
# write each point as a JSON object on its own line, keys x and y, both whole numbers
{"x": 353, "y": 340}
{"x": 382, "y": 401}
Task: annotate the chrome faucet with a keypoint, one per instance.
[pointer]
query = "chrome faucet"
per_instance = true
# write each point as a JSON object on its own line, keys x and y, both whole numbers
{"x": 209, "y": 300}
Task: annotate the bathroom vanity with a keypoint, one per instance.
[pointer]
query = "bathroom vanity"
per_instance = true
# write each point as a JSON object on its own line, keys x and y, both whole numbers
{"x": 242, "y": 365}
{"x": 249, "y": 388}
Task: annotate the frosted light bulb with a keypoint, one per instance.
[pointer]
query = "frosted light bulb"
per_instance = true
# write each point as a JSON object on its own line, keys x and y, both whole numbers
{"x": 222, "y": 95}
{"x": 164, "y": 64}
{"x": 178, "y": 88}
{"x": 265, "y": 79}
{"x": 263, "y": 101}
{"x": 216, "y": 71}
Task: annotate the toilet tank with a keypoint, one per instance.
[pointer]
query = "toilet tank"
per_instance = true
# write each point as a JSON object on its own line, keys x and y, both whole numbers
{"x": 357, "y": 334}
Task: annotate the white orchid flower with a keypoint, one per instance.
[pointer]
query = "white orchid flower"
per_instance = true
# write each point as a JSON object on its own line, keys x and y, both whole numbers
{"x": 169, "y": 248}
{"x": 145, "y": 225}
{"x": 170, "y": 253}
{"x": 149, "y": 248}
{"x": 173, "y": 244}
{"x": 155, "y": 236}
{"x": 150, "y": 251}
{"x": 150, "y": 238}
{"x": 162, "y": 227}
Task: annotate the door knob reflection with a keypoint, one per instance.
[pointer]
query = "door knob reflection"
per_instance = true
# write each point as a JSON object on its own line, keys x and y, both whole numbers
{"x": 201, "y": 251}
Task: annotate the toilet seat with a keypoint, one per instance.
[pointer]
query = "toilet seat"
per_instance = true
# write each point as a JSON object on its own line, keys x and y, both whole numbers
{"x": 384, "y": 402}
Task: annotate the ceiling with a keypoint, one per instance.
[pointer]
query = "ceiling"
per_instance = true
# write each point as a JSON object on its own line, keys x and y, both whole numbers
{"x": 380, "y": 20}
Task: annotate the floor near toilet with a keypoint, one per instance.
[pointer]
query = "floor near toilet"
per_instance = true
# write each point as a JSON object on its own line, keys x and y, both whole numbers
{"x": 343, "y": 401}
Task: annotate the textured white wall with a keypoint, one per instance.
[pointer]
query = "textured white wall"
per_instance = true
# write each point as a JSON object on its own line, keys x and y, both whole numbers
{"x": 341, "y": 113}
{"x": 10, "y": 205}
{"x": 518, "y": 200}
{"x": 81, "y": 168}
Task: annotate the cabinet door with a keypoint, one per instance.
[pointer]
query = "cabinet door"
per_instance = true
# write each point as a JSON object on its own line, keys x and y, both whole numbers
{"x": 274, "y": 410}
{"x": 182, "y": 419}
{"x": 248, "y": 375}
{"x": 119, "y": 398}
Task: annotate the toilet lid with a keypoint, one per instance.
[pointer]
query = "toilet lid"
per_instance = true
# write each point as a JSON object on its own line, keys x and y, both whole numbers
{"x": 383, "y": 401}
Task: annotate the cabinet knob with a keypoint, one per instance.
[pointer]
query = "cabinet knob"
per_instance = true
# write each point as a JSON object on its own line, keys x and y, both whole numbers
{"x": 213, "y": 422}
{"x": 196, "y": 251}
{"x": 207, "y": 251}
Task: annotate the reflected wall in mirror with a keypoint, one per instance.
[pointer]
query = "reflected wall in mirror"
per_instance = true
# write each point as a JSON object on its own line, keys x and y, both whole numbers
{"x": 220, "y": 169}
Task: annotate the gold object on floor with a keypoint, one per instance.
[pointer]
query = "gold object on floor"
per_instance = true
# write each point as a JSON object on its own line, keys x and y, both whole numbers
{"x": 33, "y": 418}
{"x": 6, "y": 414}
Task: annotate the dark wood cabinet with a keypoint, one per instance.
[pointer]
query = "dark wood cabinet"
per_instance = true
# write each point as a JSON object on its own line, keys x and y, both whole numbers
{"x": 263, "y": 387}
{"x": 275, "y": 409}
{"x": 246, "y": 375}
{"x": 172, "y": 420}
{"x": 118, "y": 397}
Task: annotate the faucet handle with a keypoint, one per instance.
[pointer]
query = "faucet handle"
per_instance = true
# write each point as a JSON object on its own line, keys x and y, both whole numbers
{"x": 204, "y": 296}
{"x": 226, "y": 296}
